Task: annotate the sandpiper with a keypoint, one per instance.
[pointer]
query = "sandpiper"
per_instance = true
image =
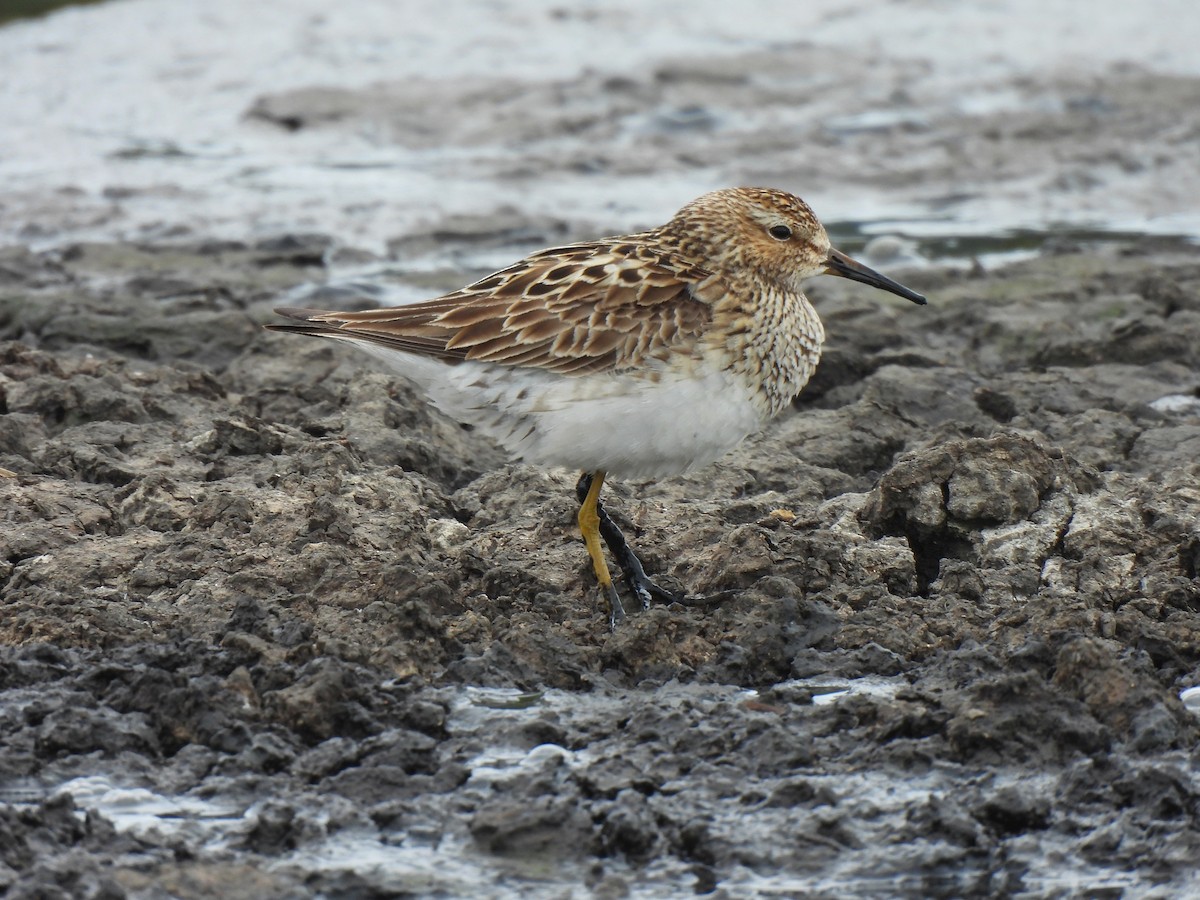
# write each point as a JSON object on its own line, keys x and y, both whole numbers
{"x": 640, "y": 356}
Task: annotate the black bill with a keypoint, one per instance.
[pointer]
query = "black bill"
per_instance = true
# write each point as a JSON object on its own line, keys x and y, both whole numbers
{"x": 840, "y": 264}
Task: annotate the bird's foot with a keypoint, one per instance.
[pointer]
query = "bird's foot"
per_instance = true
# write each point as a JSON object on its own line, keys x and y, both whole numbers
{"x": 595, "y": 522}
{"x": 706, "y": 600}
{"x": 616, "y": 609}
{"x": 639, "y": 583}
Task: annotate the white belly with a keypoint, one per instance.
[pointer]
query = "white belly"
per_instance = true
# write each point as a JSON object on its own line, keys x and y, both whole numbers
{"x": 628, "y": 426}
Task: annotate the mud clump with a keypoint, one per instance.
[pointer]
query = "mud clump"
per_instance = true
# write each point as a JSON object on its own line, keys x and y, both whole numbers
{"x": 251, "y": 574}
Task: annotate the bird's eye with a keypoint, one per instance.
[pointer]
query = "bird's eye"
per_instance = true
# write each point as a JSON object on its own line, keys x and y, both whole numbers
{"x": 780, "y": 232}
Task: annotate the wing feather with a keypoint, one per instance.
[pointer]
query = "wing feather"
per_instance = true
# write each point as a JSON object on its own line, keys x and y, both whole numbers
{"x": 595, "y": 307}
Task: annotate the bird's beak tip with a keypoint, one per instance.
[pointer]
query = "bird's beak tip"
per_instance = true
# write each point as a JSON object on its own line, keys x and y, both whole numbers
{"x": 838, "y": 263}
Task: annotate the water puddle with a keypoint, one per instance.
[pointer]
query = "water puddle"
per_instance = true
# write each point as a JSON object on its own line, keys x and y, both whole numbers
{"x": 153, "y": 816}
{"x": 916, "y": 243}
{"x": 433, "y": 853}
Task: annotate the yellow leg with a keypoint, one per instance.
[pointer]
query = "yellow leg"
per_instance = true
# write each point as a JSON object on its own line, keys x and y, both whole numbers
{"x": 589, "y": 526}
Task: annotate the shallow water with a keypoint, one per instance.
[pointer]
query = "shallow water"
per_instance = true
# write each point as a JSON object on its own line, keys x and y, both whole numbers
{"x": 147, "y": 133}
{"x": 440, "y": 859}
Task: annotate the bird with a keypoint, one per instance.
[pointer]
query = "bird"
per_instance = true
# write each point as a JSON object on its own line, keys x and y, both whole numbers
{"x": 639, "y": 356}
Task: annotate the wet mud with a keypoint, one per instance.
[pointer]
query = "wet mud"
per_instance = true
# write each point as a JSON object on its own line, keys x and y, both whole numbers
{"x": 249, "y": 570}
{"x": 272, "y": 626}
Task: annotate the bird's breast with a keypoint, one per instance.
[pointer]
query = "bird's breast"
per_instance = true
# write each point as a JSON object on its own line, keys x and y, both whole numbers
{"x": 772, "y": 341}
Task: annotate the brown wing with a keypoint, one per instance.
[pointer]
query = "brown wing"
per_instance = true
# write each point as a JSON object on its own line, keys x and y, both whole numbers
{"x": 595, "y": 307}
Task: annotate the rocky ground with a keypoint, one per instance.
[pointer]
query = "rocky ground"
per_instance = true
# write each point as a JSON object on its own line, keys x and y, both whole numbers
{"x": 246, "y": 570}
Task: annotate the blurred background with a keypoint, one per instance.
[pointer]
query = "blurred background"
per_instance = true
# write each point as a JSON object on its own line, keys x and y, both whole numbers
{"x": 957, "y": 132}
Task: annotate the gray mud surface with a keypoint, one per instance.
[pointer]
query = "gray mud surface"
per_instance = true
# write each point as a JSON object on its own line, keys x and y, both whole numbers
{"x": 270, "y": 626}
{"x": 246, "y": 569}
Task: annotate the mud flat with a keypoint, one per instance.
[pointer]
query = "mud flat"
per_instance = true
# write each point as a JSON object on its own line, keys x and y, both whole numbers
{"x": 272, "y": 625}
